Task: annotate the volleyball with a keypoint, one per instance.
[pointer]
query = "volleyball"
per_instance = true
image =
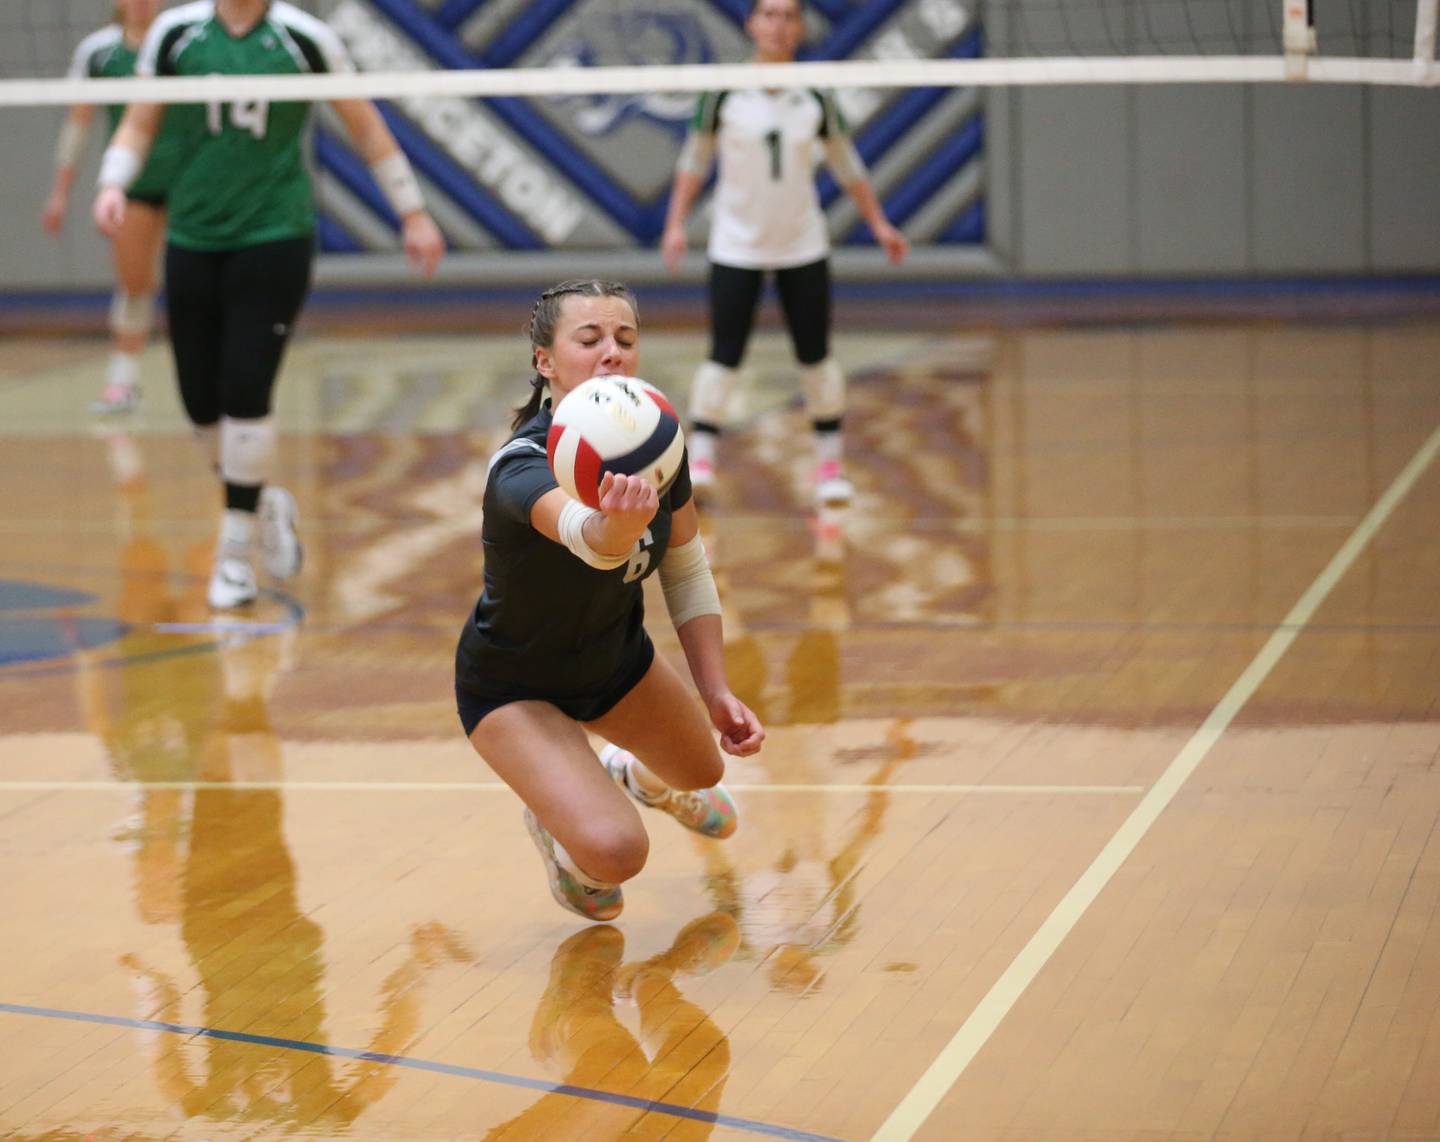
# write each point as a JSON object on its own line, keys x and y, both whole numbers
{"x": 614, "y": 424}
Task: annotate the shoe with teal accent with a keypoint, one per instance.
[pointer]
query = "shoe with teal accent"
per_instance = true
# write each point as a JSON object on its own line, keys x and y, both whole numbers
{"x": 593, "y": 901}
{"x": 710, "y": 812}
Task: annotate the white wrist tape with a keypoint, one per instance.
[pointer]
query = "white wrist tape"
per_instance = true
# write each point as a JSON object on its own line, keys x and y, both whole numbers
{"x": 71, "y": 143}
{"x": 119, "y": 167}
{"x": 572, "y": 534}
{"x": 399, "y": 183}
{"x": 688, "y": 585}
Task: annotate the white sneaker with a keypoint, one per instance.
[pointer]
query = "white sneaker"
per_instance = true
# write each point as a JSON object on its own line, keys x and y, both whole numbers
{"x": 831, "y": 487}
{"x": 279, "y": 544}
{"x": 116, "y": 399}
{"x": 232, "y": 584}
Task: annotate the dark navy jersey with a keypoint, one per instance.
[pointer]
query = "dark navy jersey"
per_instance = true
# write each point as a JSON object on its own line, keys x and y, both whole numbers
{"x": 548, "y": 624}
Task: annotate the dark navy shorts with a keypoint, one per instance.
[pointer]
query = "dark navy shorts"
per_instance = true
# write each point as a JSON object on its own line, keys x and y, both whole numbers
{"x": 473, "y": 704}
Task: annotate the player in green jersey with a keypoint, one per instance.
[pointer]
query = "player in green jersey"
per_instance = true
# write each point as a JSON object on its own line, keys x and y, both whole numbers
{"x": 241, "y": 244}
{"x": 110, "y": 53}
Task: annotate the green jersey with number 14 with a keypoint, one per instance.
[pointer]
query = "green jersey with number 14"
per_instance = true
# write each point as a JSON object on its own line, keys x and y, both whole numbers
{"x": 246, "y": 181}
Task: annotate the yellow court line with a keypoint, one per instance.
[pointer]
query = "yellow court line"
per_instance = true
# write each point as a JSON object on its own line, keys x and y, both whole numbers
{"x": 973, "y": 1034}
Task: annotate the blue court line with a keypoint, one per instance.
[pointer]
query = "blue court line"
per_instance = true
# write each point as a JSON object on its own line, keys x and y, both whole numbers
{"x": 649, "y": 1106}
{"x": 70, "y": 666}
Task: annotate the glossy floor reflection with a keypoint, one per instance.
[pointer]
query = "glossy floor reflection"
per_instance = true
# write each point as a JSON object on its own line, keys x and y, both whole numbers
{"x": 257, "y": 884}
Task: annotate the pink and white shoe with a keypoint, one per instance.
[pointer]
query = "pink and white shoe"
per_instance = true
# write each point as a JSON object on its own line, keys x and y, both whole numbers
{"x": 831, "y": 486}
{"x": 116, "y": 399}
{"x": 702, "y": 474}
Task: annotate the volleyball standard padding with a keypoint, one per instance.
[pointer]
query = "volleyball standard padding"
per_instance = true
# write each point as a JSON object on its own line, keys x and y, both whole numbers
{"x": 614, "y": 424}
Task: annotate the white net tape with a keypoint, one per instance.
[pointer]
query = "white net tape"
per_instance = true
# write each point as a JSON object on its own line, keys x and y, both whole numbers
{"x": 547, "y": 81}
{"x": 1027, "y": 42}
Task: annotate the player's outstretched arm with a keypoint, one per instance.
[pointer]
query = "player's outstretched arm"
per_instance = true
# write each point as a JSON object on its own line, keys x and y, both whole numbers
{"x": 690, "y": 170}
{"x": 894, "y": 243}
{"x": 123, "y": 159}
{"x": 424, "y": 244}
{"x": 68, "y": 149}
{"x": 694, "y": 607}
{"x": 849, "y": 170}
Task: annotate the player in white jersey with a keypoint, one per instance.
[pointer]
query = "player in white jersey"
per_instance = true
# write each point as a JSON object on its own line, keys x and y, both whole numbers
{"x": 109, "y": 53}
{"x": 767, "y": 217}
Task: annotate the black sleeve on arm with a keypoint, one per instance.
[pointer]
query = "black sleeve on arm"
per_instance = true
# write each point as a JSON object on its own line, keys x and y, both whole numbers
{"x": 517, "y": 481}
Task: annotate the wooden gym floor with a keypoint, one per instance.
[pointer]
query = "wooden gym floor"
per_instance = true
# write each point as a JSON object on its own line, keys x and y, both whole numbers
{"x": 1100, "y": 799}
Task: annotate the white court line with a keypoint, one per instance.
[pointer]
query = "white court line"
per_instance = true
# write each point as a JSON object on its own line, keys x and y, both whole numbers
{"x": 973, "y": 1034}
{"x": 496, "y": 786}
{"x": 222, "y": 626}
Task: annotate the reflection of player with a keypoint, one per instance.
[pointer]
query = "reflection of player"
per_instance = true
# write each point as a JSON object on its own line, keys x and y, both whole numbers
{"x": 804, "y": 902}
{"x": 153, "y": 714}
{"x": 295, "y": 1087}
{"x": 251, "y": 945}
{"x": 575, "y": 1026}
{"x": 812, "y": 668}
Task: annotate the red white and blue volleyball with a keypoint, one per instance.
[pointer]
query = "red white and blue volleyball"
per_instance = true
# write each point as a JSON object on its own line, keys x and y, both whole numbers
{"x": 614, "y": 424}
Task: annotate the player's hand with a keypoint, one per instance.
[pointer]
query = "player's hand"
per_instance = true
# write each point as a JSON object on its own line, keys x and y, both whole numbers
{"x": 424, "y": 244}
{"x": 628, "y": 504}
{"x": 672, "y": 246}
{"x": 895, "y": 244}
{"x": 109, "y": 210}
{"x": 740, "y": 730}
{"x": 53, "y": 216}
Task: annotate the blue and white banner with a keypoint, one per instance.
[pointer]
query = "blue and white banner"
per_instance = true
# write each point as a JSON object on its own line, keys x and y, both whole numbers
{"x": 594, "y": 172}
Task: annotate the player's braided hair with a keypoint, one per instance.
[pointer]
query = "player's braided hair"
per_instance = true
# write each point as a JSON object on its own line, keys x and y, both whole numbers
{"x": 541, "y": 328}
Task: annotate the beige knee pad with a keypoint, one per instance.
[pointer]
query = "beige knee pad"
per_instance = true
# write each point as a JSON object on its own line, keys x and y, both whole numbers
{"x": 710, "y": 394}
{"x": 824, "y": 386}
{"x": 132, "y": 312}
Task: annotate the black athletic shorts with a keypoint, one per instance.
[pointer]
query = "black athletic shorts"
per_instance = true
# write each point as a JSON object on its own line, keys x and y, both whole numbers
{"x": 155, "y": 200}
{"x": 474, "y": 701}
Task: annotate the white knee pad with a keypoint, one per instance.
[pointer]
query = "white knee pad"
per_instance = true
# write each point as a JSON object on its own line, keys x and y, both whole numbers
{"x": 132, "y": 312}
{"x": 247, "y": 450}
{"x": 710, "y": 394}
{"x": 824, "y": 386}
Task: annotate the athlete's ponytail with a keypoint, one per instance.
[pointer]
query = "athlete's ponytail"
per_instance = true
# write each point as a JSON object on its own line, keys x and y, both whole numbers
{"x": 545, "y": 314}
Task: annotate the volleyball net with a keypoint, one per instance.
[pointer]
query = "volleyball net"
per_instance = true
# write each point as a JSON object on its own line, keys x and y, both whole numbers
{"x": 490, "y": 48}
{"x": 553, "y": 125}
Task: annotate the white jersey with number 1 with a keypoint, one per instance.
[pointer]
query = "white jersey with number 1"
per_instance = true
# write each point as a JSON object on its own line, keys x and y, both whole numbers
{"x": 767, "y": 213}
